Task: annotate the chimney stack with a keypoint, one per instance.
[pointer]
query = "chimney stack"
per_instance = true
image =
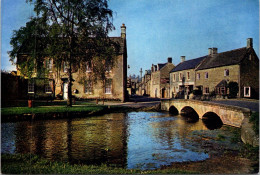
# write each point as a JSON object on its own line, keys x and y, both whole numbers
{"x": 210, "y": 51}
{"x": 249, "y": 43}
{"x": 123, "y": 31}
{"x": 182, "y": 58}
{"x": 214, "y": 50}
{"x": 169, "y": 59}
{"x": 152, "y": 68}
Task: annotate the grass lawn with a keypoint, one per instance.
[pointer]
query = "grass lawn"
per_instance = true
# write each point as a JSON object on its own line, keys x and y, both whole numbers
{"x": 32, "y": 164}
{"x": 49, "y": 109}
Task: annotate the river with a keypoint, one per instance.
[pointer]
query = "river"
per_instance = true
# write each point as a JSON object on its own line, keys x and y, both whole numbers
{"x": 133, "y": 140}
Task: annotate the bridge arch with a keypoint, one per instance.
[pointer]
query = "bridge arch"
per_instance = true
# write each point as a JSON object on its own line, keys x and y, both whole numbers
{"x": 190, "y": 114}
{"x": 212, "y": 120}
{"x": 173, "y": 110}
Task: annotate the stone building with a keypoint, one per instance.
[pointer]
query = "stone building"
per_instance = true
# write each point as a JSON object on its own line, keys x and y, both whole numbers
{"x": 160, "y": 76}
{"x": 114, "y": 87}
{"x": 239, "y": 65}
{"x": 147, "y": 82}
{"x": 182, "y": 77}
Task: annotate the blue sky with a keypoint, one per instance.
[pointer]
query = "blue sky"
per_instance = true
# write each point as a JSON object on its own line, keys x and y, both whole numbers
{"x": 158, "y": 29}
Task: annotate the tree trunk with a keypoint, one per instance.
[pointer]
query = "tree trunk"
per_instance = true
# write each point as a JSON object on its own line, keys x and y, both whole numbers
{"x": 69, "y": 100}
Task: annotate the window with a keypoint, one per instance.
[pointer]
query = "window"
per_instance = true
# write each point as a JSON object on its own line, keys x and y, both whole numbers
{"x": 223, "y": 90}
{"x": 49, "y": 64}
{"x": 188, "y": 75}
{"x": 65, "y": 67}
{"x": 180, "y": 76}
{"x": 206, "y": 90}
{"x": 108, "y": 66}
{"x": 108, "y": 86}
{"x": 198, "y": 76}
{"x": 226, "y": 72}
{"x": 88, "y": 87}
{"x": 47, "y": 86}
{"x": 88, "y": 67}
{"x": 30, "y": 87}
{"x": 247, "y": 91}
{"x": 174, "y": 77}
{"x": 206, "y": 75}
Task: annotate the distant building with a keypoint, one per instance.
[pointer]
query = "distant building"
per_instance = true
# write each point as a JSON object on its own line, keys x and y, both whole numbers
{"x": 114, "y": 88}
{"x": 182, "y": 77}
{"x": 160, "y": 76}
{"x": 217, "y": 70}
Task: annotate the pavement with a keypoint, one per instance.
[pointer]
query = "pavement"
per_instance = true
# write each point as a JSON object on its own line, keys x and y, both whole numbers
{"x": 252, "y": 105}
{"x": 143, "y": 101}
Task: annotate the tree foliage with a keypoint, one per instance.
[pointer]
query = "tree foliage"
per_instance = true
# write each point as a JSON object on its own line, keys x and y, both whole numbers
{"x": 71, "y": 31}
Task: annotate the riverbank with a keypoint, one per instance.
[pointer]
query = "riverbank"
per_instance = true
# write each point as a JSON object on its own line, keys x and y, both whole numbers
{"x": 32, "y": 164}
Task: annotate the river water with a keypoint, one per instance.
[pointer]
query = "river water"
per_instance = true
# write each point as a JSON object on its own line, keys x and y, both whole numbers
{"x": 139, "y": 140}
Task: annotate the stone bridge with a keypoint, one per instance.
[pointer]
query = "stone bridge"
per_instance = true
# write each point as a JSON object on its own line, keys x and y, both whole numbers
{"x": 230, "y": 115}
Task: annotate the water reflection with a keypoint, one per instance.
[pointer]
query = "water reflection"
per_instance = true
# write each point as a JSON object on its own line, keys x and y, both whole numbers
{"x": 133, "y": 140}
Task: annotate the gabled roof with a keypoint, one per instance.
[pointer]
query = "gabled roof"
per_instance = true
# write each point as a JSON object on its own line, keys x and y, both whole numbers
{"x": 161, "y": 65}
{"x": 222, "y": 83}
{"x": 224, "y": 59}
{"x": 189, "y": 64}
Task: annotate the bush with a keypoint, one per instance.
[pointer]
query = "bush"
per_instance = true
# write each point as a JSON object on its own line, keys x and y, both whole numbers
{"x": 197, "y": 92}
{"x": 254, "y": 119}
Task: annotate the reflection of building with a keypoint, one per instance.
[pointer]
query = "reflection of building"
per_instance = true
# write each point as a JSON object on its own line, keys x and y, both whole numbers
{"x": 160, "y": 75}
{"x": 98, "y": 140}
{"x": 114, "y": 87}
{"x": 239, "y": 65}
{"x": 182, "y": 77}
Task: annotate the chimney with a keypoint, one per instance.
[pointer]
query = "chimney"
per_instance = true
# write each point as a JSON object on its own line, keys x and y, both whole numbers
{"x": 182, "y": 58}
{"x": 123, "y": 31}
{"x": 152, "y": 68}
{"x": 214, "y": 50}
{"x": 249, "y": 43}
{"x": 210, "y": 51}
{"x": 169, "y": 59}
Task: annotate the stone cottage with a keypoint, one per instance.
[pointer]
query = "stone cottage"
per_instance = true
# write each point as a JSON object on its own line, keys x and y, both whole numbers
{"x": 219, "y": 69}
{"x": 114, "y": 88}
{"x": 182, "y": 77}
{"x": 160, "y": 76}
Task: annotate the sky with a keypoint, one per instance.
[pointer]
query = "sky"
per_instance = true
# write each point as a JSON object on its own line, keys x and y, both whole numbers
{"x": 158, "y": 29}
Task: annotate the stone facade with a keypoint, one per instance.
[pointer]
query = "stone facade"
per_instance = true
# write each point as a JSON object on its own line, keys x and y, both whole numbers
{"x": 182, "y": 78}
{"x": 160, "y": 76}
{"x": 239, "y": 65}
{"x": 214, "y": 76}
{"x": 114, "y": 88}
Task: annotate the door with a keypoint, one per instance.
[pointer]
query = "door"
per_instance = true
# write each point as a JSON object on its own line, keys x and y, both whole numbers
{"x": 65, "y": 90}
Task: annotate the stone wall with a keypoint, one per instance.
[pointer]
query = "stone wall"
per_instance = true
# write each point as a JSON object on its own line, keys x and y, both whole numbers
{"x": 230, "y": 115}
{"x": 215, "y": 75}
{"x": 249, "y": 72}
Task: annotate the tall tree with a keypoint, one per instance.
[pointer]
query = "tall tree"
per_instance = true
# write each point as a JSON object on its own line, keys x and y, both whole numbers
{"x": 68, "y": 31}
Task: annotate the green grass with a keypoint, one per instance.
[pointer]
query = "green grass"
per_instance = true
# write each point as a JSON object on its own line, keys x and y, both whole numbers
{"x": 49, "y": 109}
{"x": 32, "y": 164}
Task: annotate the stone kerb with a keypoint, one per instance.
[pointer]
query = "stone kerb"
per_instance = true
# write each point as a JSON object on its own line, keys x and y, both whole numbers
{"x": 230, "y": 115}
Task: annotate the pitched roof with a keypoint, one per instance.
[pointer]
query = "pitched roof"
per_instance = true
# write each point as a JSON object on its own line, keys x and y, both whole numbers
{"x": 161, "y": 65}
{"x": 189, "y": 64}
{"x": 222, "y": 83}
{"x": 223, "y": 59}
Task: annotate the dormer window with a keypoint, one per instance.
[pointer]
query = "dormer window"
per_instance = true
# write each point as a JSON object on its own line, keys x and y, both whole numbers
{"x": 49, "y": 64}
{"x": 180, "y": 76}
{"x": 226, "y": 72}
{"x": 188, "y": 75}
{"x": 206, "y": 75}
{"x": 65, "y": 66}
{"x": 88, "y": 67}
